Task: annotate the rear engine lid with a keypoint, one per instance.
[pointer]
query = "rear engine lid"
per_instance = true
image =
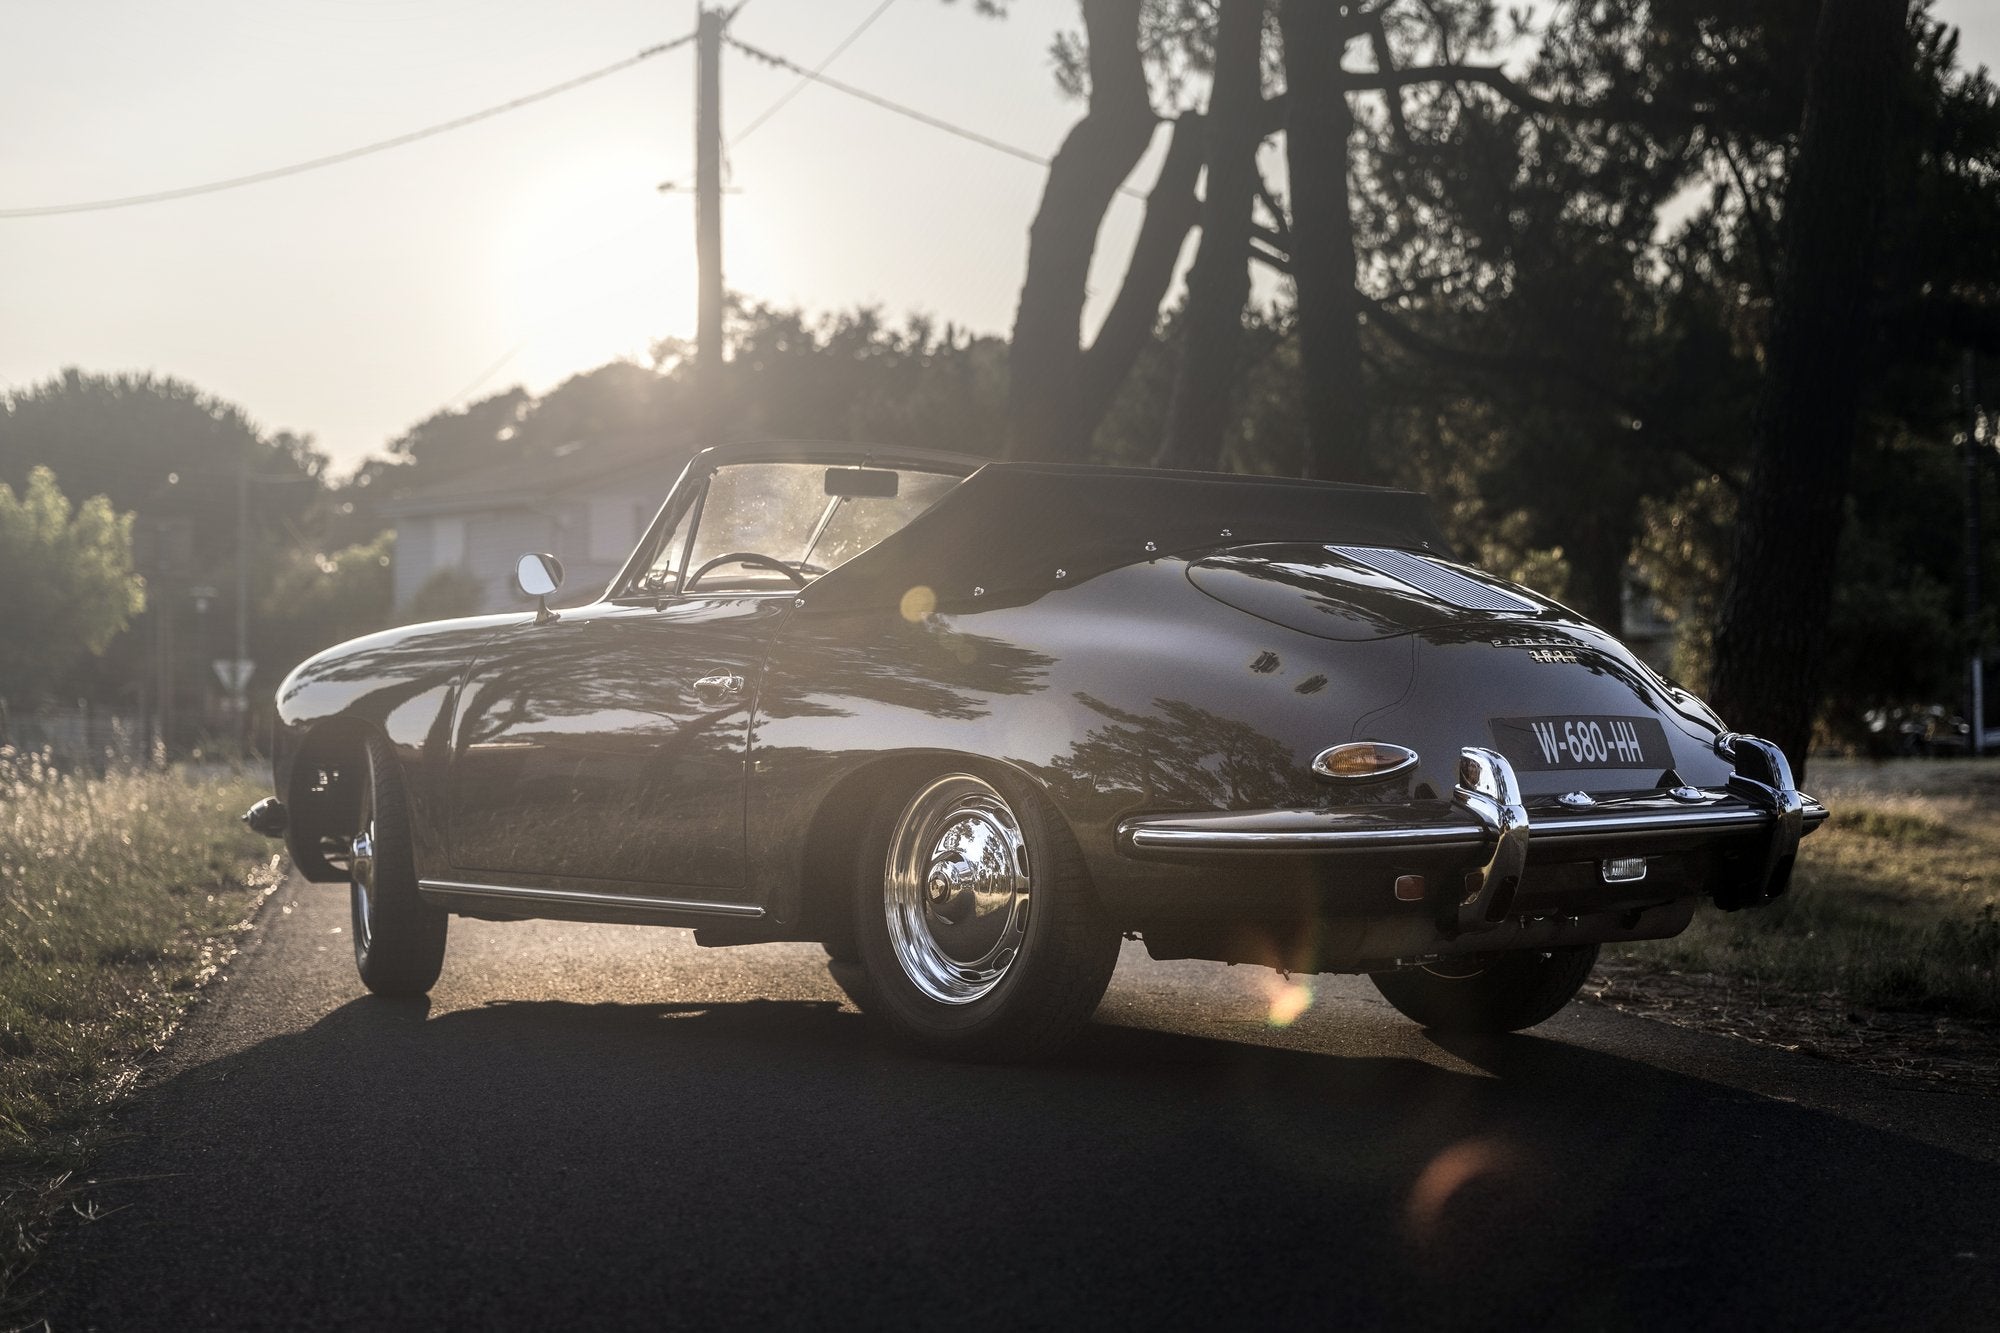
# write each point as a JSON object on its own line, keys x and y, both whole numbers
{"x": 1354, "y": 593}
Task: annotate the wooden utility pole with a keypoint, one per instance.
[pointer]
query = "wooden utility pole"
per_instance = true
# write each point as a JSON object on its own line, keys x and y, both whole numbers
{"x": 1974, "y": 553}
{"x": 239, "y": 681}
{"x": 708, "y": 223}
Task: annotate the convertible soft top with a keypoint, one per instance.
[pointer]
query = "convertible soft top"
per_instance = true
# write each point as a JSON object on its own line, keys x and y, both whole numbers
{"x": 1012, "y": 531}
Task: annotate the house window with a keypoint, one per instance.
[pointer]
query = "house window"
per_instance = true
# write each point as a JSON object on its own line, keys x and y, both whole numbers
{"x": 612, "y": 528}
{"x": 447, "y": 542}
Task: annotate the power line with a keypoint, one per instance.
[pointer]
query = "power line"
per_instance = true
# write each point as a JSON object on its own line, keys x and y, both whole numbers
{"x": 480, "y": 379}
{"x": 799, "y": 85}
{"x": 334, "y": 159}
{"x": 909, "y": 112}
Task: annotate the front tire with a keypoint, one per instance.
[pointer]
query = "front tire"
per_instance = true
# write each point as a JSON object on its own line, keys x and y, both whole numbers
{"x": 398, "y": 937}
{"x": 978, "y": 935}
{"x": 1503, "y": 992}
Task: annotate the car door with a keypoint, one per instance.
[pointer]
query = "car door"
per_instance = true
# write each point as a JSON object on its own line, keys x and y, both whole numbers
{"x": 610, "y": 744}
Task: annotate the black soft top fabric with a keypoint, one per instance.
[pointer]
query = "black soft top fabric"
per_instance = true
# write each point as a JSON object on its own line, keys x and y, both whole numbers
{"x": 1012, "y": 531}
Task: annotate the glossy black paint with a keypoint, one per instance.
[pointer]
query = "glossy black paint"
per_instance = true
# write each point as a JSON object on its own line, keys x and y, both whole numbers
{"x": 1041, "y": 619}
{"x": 587, "y": 747}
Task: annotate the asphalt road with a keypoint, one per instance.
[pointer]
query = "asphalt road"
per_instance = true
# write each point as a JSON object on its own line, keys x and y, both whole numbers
{"x": 605, "y": 1126}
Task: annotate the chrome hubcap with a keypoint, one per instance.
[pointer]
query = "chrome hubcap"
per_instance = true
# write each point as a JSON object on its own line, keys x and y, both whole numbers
{"x": 956, "y": 889}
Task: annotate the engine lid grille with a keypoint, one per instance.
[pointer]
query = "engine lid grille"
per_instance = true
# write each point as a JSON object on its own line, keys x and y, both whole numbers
{"x": 1446, "y": 585}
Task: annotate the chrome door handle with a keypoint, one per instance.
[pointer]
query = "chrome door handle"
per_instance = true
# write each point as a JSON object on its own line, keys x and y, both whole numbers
{"x": 717, "y": 688}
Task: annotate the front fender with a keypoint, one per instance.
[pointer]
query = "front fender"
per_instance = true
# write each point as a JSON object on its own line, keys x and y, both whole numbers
{"x": 401, "y": 684}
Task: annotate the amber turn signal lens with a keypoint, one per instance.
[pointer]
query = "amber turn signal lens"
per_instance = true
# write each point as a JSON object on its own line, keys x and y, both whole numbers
{"x": 1361, "y": 761}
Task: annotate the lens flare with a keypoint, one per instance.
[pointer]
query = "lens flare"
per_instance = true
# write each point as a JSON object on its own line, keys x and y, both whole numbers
{"x": 1445, "y": 1175}
{"x": 1289, "y": 999}
{"x": 918, "y": 602}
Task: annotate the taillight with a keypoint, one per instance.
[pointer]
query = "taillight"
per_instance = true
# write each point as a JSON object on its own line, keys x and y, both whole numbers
{"x": 1363, "y": 761}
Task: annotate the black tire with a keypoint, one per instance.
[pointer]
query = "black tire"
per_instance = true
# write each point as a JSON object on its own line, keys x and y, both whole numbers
{"x": 852, "y": 978}
{"x": 398, "y": 937}
{"x": 949, "y": 902}
{"x": 1502, "y": 992}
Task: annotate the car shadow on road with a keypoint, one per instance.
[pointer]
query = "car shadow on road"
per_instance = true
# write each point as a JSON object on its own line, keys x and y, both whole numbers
{"x": 777, "y": 1161}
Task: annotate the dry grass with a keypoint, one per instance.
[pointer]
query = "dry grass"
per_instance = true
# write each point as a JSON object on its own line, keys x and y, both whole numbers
{"x": 118, "y": 898}
{"x": 1895, "y": 904}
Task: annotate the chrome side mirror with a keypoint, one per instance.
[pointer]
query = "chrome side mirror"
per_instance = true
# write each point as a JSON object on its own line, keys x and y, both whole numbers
{"x": 538, "y": 576}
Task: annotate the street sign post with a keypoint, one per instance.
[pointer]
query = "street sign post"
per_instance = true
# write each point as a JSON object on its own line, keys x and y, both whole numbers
{"x": 234, "y": 673}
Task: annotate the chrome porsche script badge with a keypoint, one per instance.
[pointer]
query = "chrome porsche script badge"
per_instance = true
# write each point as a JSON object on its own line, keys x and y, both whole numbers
{"x": 1541, "y": 649}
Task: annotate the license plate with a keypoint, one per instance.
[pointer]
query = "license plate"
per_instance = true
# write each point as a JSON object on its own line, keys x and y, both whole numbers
{"x": 1579, "y": 740}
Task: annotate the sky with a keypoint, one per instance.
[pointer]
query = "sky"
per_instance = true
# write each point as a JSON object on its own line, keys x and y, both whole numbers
{"x": 352, "y": 302}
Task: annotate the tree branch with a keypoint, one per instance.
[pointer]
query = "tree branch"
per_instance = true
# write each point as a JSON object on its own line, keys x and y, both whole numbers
{"x": 1479, "y": 362}
{"x": 1760, "y": 236}
{"x": 1276, "y": 262}
{"x": 1171, "y": 210}
{"x": 1276, "y": 240}
{"x": 1281, "y": 226}
{"x": 1491, "y": 76}
{"x": 1100, "y": 151}
{"x": 1385, "y": 62}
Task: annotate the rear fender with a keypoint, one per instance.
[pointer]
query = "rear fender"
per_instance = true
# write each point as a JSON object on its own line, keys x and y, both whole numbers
{"x": 1129, "y": 692}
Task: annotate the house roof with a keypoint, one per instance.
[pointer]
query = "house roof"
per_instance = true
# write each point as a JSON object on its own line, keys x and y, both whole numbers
{"x": 581, "y": 465}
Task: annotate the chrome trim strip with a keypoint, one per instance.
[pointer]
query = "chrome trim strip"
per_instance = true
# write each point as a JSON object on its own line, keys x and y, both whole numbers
{"x": 1678, "y": 821}
{"x": 1183, "y": 833}
{"x": 580, "y": 898}
{"x": 1167, "y": 837}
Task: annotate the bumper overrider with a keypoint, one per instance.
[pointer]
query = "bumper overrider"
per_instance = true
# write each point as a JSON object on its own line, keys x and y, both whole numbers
{"x": 1487, "y": 833}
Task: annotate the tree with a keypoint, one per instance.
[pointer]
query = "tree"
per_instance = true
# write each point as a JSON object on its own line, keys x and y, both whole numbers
{"x": 315, "y": 601}
{"x": 447, "y": 594}
{"x": 161, "y": 448}
{"x": 69, "y": 587}
{"x": 170, "y": 455}
{"x": 1045, "y": 361}
{"x": 1318, "y": 125}
{"x": 1219, "y": 284}
{"x": 1771, "y": 636}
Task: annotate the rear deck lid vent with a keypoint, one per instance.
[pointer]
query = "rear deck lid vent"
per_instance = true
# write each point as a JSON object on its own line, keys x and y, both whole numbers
{"x": 1446, "y": 585}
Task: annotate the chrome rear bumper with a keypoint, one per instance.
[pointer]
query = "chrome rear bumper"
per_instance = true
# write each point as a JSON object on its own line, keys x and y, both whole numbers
{"x": 1489, "y": 823}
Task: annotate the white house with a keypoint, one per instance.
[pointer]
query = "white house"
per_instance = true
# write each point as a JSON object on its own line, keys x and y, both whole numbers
{"x": 586, "y": 504}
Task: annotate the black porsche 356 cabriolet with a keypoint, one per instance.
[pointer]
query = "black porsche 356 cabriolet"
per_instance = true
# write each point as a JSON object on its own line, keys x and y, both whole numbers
{"x": 967, "y": 723}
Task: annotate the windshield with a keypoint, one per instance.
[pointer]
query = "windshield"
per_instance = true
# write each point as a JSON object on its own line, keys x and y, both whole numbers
{"x": 780, "y": 515}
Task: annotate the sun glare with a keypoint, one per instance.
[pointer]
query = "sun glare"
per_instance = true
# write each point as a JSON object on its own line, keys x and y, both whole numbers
{"x": 593, "y": 264}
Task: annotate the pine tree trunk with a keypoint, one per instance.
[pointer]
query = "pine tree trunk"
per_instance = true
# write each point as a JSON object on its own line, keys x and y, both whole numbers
{"x": 1771, "y": 632}
{"x": 1598, "y": 545}
{"x": 1219, "y": 283}
{"x": 1172, "y": 210}
{"x": 1044, "y": 357}
{"x": 1319, "y": 126}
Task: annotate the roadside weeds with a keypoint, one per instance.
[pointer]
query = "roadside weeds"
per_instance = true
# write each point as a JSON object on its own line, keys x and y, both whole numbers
{"x": 1884, "y": 954}
{"x": 120, "y": 898}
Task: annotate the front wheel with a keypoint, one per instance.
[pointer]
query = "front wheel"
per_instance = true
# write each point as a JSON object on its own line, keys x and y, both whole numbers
{"x": 398, "y": 937}
{"x": 1501, "y": 992}
{"x": 977, "y": 933}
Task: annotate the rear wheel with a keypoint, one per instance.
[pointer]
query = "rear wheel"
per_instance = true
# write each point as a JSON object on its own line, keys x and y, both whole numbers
{"x": 398, "y": 937}
{"x": 1501, "y": 992}
{"x": 976, "y": 930}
